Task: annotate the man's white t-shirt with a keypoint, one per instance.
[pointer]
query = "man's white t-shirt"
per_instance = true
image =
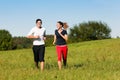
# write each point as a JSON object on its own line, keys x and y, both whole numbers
{"x": 41, "y": 32}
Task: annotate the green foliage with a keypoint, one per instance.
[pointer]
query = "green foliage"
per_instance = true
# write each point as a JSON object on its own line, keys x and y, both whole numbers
{"x": 21, "y": 42}
{"x": 91, "y": 30}
{"x": 5, "y": 40}
{"x": 90, "y": 60}
{"x": 49, "y": 40}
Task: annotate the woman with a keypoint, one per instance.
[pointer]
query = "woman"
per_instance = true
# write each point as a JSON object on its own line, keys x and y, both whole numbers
{"x": 60, "y": 39}
{"x": 38, "y": 33}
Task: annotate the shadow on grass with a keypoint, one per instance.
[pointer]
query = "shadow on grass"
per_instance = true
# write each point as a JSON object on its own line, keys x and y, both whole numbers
{"x": 78, "y": 65}
{"x": 49, "y": 66}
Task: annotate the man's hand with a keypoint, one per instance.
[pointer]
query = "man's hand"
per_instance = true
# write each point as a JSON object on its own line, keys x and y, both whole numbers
{"x": 36, "y": 36}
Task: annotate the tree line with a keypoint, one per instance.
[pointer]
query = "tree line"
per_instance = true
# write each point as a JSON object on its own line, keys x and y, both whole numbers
{"x": 91, "y": 30}
{"x": 86, "y": 31}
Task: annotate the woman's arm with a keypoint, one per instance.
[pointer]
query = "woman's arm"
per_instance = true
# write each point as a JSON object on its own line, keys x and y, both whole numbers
{"x": 64, "y": 36}
{"x": 54, "y": 40}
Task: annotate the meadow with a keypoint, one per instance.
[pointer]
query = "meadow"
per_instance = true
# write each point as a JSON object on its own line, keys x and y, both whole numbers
{"x": 91, "y": 60}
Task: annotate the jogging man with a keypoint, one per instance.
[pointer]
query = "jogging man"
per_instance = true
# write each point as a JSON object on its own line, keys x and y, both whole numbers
{"x": 38, "y": 33}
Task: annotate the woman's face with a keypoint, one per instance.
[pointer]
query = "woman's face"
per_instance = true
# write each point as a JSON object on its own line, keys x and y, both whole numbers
{"x": 38, "y": 24}
{"x": 58, "y": 26}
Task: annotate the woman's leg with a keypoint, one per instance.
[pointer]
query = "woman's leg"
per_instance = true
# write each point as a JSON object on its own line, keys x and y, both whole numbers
{"x": 58, "y": 50}
{"x": 59, "y": 65}
{"x": 65, "y": 50}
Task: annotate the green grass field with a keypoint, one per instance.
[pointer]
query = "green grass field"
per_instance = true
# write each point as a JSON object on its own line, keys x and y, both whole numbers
{"x": 92, "y": 60}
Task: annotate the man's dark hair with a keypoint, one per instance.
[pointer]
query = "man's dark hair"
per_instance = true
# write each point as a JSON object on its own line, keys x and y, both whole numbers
{"x": 38, "y": 20}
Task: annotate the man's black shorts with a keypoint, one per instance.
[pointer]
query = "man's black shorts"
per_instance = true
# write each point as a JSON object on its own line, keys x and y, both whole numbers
{"x": 39, "y": 52}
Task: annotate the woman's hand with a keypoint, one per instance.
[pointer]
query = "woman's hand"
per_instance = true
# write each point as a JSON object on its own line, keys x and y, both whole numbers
{"x": 53, "y": 42}
{"x": 63, "y": 36}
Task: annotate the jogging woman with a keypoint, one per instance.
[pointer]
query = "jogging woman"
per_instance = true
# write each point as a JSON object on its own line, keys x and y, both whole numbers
{"x": 60, "y": 40}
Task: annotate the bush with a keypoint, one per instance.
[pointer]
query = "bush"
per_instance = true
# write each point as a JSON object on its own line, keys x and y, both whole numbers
{"x": 5, "y": 40}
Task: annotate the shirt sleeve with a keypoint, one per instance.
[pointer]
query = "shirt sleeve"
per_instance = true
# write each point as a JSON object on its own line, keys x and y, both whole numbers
{"x": 55, "y": 32}
{"x": 44, "y": 33}
{"x": 65, "y": 32}
{"x": 31, "y": 32}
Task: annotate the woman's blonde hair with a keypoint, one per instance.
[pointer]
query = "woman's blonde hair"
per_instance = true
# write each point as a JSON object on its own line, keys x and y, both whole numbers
{"x": 65, "y": 25}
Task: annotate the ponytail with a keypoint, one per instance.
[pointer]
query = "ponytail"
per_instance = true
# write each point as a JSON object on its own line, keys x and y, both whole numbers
{"x": 65, "y": 25}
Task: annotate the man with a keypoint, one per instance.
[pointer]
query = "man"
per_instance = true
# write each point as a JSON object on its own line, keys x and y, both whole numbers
{"x": 38, "y": 33}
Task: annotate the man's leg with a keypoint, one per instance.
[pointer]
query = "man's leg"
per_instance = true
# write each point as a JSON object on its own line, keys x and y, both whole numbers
{"x": 36, "y": 58}
{"x": 41, "y": 57}
{"x": 42, "y": 66}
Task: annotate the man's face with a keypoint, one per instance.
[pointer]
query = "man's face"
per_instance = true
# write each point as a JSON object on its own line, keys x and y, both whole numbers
{"x": 38, "y": 24}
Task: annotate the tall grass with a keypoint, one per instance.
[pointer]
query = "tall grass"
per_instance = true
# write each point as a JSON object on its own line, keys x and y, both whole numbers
{"x": 92, "y": 60}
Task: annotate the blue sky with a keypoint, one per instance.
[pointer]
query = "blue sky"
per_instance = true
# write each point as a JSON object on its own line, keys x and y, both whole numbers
{"x": 18, "y": 16}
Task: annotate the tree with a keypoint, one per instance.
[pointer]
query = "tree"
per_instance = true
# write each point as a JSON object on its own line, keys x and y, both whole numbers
{"x": 91, "y": 30}
{"x": 5, "y": 40}
{"x": 21, "y": 42}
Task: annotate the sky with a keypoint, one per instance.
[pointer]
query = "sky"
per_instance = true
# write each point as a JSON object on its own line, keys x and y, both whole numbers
{"x": 18, "y": 16}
